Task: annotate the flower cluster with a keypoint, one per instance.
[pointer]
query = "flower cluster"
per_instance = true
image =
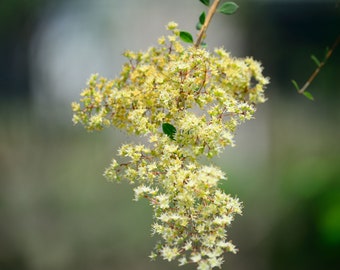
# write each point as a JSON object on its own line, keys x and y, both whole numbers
{"x": 203, "y": 97}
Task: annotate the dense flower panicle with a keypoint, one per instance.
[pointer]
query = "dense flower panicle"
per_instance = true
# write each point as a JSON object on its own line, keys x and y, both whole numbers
{"x": 204, "y": 96}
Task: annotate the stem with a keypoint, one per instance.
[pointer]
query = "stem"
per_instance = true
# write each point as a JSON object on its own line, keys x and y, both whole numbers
{"x": 316, "y": 71}
{"x": 204, "y": 28}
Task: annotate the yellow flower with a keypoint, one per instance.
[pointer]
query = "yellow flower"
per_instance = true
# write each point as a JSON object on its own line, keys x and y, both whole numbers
{"x": 204, "y": 96}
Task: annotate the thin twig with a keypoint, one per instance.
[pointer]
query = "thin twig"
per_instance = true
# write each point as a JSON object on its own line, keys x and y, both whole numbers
{"x": 317, "y": 70}
{"x": 204, "y": 28}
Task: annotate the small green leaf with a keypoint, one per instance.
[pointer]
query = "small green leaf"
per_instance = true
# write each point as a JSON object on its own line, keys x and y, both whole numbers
{"x": 186, "y": 37}
{"x": 201, "y": 21}
{"x": 315, "y": 59}
{"x": 326, "y": 53}
{"x": 205, "y": 2}
{"x": 296, "y": 85}
{"x": 169, "y": 130}
{"x": 228, "y": 8}
{"x": 203, "y": 45}
{"x": 202, "y": 18}
{"x": 308, "y": 95}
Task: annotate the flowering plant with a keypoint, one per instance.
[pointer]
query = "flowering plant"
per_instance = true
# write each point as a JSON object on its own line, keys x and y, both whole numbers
{"x": 187, "y": 102}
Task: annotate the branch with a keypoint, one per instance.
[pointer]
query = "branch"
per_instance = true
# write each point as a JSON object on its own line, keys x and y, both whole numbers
{"x": 204, "y": 28}
{"x": 317, "y": 70}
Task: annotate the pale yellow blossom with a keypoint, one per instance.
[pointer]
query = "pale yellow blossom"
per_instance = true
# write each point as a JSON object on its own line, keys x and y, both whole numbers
{"x": 204, "y": 96}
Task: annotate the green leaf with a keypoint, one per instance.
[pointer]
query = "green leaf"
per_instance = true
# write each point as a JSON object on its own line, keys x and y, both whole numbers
{"x": 308, "y": 95}
{"x": 202, "y": 18}
{"x": 186, "y": 37}
{"x": 198, "y": 26}
{"x": 315, "y": 59}
{"x": 205, "y": 2}
{"x": 326, "y": 53}
{"x": 169, "y": 130}
{"x": 201, "y": 21}
{"x": 296, "y": 85}
{"x": 228, "y": 8}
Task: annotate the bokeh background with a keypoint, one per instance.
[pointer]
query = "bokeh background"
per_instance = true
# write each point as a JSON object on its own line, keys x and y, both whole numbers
{"x": 57, "y": 212}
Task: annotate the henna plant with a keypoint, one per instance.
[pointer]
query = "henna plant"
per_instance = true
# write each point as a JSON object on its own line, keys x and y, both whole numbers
{"x": 187, "y": 102}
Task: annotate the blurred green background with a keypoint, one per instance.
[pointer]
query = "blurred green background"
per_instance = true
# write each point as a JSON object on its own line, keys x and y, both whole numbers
{"x": 58, "y": 212}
